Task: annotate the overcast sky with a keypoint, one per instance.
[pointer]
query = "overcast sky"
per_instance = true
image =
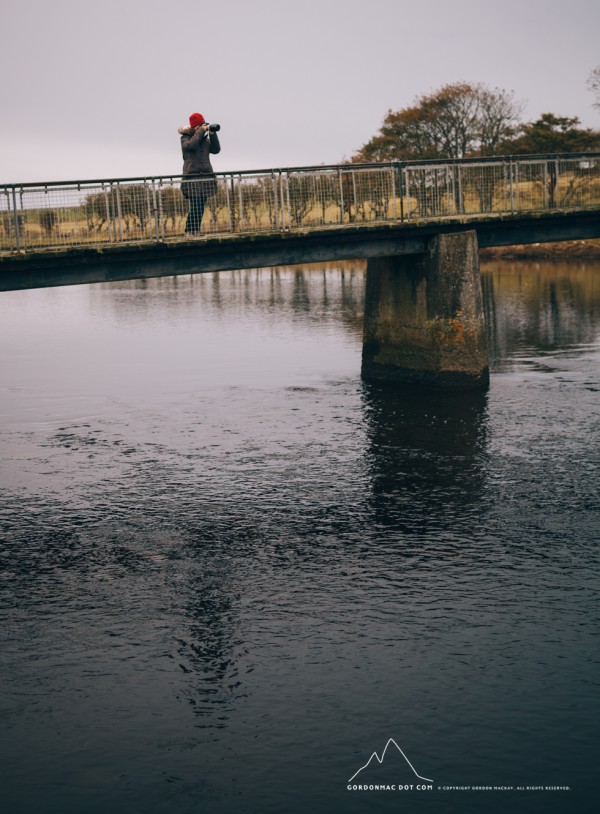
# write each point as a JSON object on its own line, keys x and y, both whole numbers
{"x": 98, "y": 89}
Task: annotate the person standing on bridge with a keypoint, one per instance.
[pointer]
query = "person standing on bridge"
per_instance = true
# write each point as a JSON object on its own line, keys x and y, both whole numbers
{"x": 198, "y": 141}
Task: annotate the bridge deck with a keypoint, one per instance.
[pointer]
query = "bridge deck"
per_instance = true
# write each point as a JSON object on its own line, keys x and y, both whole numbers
{"x": 91, "y": 231}
{"x": 225, "y": 252}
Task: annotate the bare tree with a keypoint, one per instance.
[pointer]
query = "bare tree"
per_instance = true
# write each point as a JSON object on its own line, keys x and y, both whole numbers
{"x": 593, "y": 84}
{"x": 95, "y": 208}
{"x": 218, "y": 205}
{"x": 499, "y": 115}
{"x": 453, "y": 116}
{"x": 48, "y": 219}
{"x": 172, "y": 205}
{"x": 301, "y": 196}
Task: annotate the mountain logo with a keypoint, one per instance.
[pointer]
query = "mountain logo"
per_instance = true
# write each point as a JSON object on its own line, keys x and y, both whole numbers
{"x": 376, "y": 757}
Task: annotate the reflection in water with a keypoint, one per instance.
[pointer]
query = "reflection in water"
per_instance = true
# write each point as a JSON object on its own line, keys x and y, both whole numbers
{"x": 539, "y": 307}
{"x": 534, "y": 305}
{"x": 230, "y": 570}
{"x": 426, "y": 449}
{"x": 208, "y": 651}
{"x": 318, "y": 291}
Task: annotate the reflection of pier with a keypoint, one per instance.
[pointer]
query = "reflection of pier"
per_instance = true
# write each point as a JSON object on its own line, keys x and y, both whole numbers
{"x": 426, "y": 448}
{"x": 419, "y": 225}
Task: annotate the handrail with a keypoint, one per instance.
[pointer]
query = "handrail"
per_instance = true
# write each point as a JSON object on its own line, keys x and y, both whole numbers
{"x": 314, "y": 167}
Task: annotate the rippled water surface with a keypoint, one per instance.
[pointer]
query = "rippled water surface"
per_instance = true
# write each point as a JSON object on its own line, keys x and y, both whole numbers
{"x": 231, "y": 571}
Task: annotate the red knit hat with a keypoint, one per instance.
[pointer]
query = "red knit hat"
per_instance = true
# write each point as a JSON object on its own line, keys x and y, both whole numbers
{"x": 196, "y": 119}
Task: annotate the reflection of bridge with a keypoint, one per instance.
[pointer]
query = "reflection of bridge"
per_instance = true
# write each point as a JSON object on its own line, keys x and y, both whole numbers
{"x": 419, "y": 223}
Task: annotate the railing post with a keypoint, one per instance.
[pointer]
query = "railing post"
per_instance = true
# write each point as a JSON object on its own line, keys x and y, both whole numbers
{"x": 451, "y": 182}
{"x": 229, "y": 208}
{"x": 341, "y": 195}
{"x": 107, "y": 207}
{"x": 288, "y": 201}
{"x": 148, "y": 205}
{"x": 400, "y": 189}
{"x": 119, "y": 211}
{"x": 510, "y": 182}
{"x": 275, "y": 220}
{"x": 241, "y": 213}
{"x": 6, "y": 222}
{"x": 16, "y": 219}
{"x": 157, "y": 214}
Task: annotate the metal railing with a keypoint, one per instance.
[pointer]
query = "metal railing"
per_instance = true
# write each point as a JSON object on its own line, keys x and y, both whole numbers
{"x": 100, "y": 213}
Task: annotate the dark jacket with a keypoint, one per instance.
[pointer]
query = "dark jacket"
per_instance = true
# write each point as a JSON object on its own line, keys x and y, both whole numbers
{"x": 196, "y": 146}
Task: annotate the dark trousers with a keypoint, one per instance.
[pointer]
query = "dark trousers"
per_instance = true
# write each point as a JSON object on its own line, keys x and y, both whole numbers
{"x": 194, "y": 218}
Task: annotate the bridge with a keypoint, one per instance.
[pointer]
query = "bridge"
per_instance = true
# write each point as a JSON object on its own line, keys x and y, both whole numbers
{"x": 418, "y": 223}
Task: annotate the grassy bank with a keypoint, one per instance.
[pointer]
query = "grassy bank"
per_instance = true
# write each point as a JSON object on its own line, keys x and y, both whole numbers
{"x": 576, "y": 249}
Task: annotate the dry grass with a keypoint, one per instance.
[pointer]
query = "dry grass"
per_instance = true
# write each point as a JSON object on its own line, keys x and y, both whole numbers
{"x": 561, "y": 250}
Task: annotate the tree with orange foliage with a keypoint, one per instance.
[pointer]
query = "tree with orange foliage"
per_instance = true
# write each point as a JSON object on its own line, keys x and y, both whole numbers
{"x": 458, "y": 120}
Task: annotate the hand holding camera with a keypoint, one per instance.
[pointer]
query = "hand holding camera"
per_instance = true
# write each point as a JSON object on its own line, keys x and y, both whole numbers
{"x": 210, "y": 128}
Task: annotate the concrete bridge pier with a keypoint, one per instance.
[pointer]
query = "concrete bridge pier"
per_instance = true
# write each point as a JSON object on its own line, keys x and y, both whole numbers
{"x": 424, "y": 320}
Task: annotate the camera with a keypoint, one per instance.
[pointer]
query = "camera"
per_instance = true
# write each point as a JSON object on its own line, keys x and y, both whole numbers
{"x": 214, "y": 128}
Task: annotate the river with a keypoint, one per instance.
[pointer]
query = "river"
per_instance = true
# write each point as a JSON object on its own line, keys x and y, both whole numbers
{"x": 231, "y": 571}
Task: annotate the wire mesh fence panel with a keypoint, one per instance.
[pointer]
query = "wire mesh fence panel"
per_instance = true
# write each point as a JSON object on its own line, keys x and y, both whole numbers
{"x": 576, "y": 182}
{"x": 78, "y": 216}
{"x": 430, "y": 191}
{"x": 8, "y": 223}
{"x": 482, "y": 189}
{"x": 97, "y": 213}
{"x": 254, "y": 204}
{"x": 134, "y": 211}
{"x": 217, "y": 209}
{"x": 370, "y": 195}
{"x": 301, "y": 199}
{"x": 49, "y": 217}
{"x": 319, "y": 199}
{"x": 530, "y": 190}
{"x": 172, "y": 209}
{"x": 96, "y": 207}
